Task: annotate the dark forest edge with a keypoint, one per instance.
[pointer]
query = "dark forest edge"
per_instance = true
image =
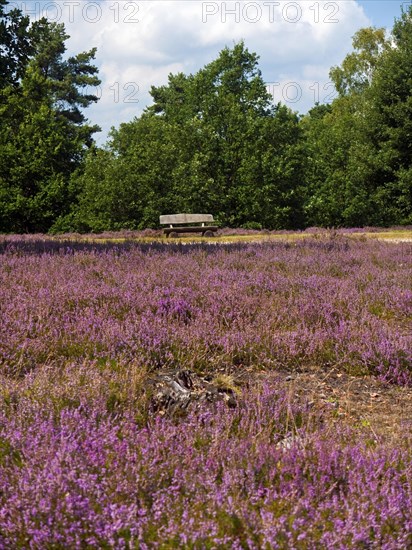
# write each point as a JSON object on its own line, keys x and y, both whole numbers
{"x": 210, "y": 142}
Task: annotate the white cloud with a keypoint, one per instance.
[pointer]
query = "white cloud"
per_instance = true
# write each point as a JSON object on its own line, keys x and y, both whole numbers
{"x": 140, "y": 42}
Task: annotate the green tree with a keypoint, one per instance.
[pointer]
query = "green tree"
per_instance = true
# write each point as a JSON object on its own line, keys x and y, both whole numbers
{"x": 360, "y": 152}
{"x": 210, "y": 142}
{"x": 390, "y": 125}
{"x": 126, "y": 184}
{"x": 233, "y": 142}
{"x": 16, "y": 44}
{"x": 357, "y": 70}
{"x": 341, "y": 167}
{"x": 43, "y": 133}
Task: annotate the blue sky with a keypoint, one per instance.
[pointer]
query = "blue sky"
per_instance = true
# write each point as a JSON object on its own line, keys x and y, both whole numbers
{"x": 382, "y": 12}
{"x": 139, "y": 42}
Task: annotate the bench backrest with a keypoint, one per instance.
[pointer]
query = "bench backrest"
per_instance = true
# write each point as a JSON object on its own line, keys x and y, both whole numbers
{"x": 171, "y": 219}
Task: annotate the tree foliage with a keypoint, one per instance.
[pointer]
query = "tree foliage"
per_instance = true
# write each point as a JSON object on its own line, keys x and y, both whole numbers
{"x": 210, "y": 142}
{"x": 360, "y": 149}
{"x": 43, "y": 132}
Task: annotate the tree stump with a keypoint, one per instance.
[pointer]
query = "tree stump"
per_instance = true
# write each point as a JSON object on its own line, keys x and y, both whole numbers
{"x": 175, "y": 392}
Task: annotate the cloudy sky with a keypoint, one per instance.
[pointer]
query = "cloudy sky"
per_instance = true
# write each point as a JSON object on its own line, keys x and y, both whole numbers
{"x": 140, "y": 42}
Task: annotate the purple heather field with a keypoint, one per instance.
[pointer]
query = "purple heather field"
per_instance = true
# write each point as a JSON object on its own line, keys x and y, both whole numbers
{"x": 84, "y": 463}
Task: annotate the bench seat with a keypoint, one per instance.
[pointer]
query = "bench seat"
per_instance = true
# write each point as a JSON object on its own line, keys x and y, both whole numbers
{"x": 183, "y": 223}
{"x": 194, "y": 229}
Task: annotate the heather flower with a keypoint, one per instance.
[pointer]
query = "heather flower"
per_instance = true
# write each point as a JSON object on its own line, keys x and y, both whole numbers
{"x": 84, "y": 465}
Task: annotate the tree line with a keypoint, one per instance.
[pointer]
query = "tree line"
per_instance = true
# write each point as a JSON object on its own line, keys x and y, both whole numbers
{"x": 212, "y": 141}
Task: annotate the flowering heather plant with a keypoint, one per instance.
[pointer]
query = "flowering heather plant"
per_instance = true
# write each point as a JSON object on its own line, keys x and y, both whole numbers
{"x": 83, "y": 464}
{"x": 224, "y": 478}
{"x": 319, "y": 303}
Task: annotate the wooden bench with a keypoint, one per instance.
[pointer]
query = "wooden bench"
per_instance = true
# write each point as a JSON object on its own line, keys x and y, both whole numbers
{"x": 179, "y": 223}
